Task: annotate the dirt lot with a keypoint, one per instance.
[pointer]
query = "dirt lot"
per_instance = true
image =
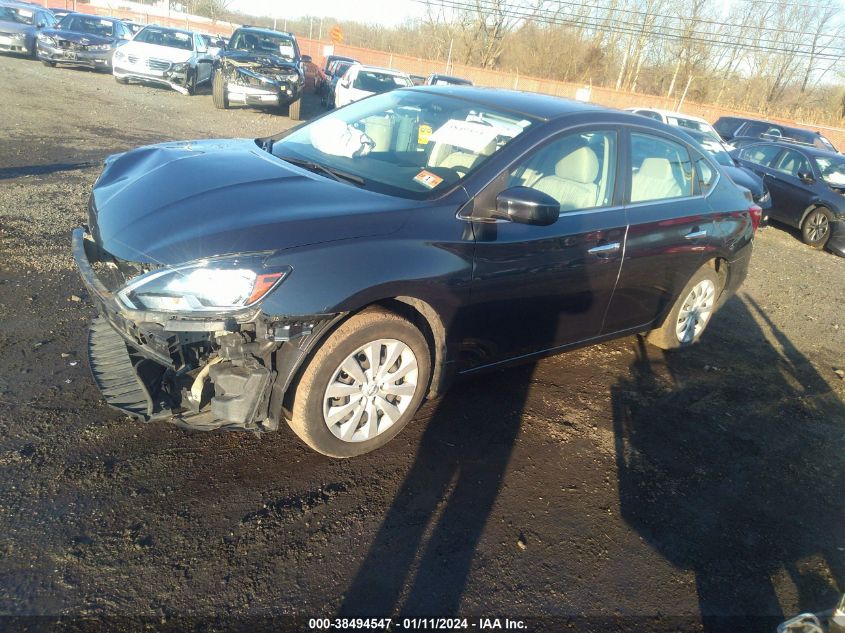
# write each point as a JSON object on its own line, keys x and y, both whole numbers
{"x": 612, "y": 488}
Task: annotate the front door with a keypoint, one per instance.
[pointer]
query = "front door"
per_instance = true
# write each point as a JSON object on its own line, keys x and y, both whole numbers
{"x": 537, "y": 288}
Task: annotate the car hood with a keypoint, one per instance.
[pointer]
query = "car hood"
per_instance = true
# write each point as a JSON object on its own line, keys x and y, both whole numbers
{"x": 255, "y": 60}
{"x": 16, "y": 27}
{"x": 177, "y": 202}
{"x": 745, "y": 178}
{"x": 167, "y": 53}
{"x": 86, "y": 39}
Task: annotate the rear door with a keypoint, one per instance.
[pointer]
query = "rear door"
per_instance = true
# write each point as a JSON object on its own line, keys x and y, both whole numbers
{"x": 537, "y": 288}
{"x": 671, "y": 229}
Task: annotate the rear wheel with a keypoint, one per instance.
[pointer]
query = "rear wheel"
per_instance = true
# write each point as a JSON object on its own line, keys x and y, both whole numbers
{"x": 691, "y": 313}
{"x": 362, "y": 386}
{"x": 218, "y": 92}
{"x": 294, "y": 109}
{"x": 815, "y": 230}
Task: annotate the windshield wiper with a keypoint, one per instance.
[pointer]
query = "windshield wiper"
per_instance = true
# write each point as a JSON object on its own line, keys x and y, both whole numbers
{"x": 335, "y": 174}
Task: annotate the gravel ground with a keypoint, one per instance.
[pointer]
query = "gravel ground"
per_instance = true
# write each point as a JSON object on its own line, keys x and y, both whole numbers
{"x": 611, "y": 488}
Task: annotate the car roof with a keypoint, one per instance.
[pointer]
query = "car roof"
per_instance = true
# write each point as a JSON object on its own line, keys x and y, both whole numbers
{"x": 263, "y": 31}
{"x": 530, "y": 104}
{"x": 23, "y": 5}
{"x": 677, "y": 115}
{"x": 811, "y": 150}
{"x": 94, "y": 17}
{"x": 378, "y": 69}
{"x": 169, "y": 28}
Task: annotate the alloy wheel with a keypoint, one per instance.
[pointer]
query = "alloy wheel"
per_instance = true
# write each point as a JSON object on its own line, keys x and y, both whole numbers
{"x": 817, "y": 227}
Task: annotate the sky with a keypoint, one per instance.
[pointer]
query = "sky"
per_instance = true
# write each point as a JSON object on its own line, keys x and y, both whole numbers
{"x": 386, "y": 12}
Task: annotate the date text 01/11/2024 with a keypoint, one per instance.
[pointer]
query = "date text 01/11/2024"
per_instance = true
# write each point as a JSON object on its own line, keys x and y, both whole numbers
{"x": 417, "y": 624}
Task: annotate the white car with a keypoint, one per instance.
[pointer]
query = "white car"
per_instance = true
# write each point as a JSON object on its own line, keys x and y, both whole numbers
{"x": 171, "y": 57}
{"x": 683, "y": 121}
{"x": 362, "y": 81}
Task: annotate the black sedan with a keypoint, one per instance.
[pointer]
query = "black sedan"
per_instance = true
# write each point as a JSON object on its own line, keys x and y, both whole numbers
{"x": 82, "y": 40}
{"x": 807, "y": 186}
{"x": 338, "y": 274}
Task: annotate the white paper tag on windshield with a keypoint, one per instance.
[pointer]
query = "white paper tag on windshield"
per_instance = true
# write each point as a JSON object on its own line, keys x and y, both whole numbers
{"x": 286, "y": 50}
{"x": 471, "y": 136}
{"x": 25, "y": 13}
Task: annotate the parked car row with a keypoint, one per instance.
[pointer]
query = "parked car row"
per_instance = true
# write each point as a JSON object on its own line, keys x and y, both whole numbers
{"x": 796, "y": 176}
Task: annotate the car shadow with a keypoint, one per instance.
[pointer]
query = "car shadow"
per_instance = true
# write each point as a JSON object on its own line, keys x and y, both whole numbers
{"x": 420, "y": 559}
{"x": 44, "y": 170}
{"x": 735, "y": 473}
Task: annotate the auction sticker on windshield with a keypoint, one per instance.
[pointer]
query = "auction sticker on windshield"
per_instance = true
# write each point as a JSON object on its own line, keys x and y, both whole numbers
{"x": 427, "y": 179}
{"x": 465, "y": 134}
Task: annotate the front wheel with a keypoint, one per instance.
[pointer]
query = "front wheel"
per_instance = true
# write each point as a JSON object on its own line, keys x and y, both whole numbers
{"x": 48, "y": 63}
{"x": 362, "y": 386}
{"x": 691, "y": 313}
{"x": 294, "y": 110}
{"x": 121, "y": 80}
{"x": 218, "y": 92}
{"x": 191, "y": 83}
{"x": 815, "y": 230}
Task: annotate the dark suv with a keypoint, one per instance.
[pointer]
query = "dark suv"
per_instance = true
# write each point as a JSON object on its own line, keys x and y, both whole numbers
{"x": 336, "y": 275}
{"x": 807, "y": 186}
{"x": 734, "y": 128}
{"x": 260, "y": 67}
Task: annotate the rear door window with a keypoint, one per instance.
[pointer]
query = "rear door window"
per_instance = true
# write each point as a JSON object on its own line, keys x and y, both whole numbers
{"x": 660, "y": 169}
{"x": 760, "y": 154}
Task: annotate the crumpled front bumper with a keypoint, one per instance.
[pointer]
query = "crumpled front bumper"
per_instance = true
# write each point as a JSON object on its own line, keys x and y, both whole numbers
{"x": 99, "y": 60}
{"x": 262, "y": 93}
{"x": 178, "y": 80}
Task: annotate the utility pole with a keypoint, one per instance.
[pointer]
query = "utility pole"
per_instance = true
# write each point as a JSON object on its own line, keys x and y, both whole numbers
{"x": 449, "y": 58}
{"x": 320, "y": 36}
{"x": 683, "y": 96}
{"x": 311, "y": 30}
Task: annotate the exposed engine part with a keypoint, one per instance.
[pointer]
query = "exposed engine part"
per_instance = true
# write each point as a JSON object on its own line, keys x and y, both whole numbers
{"x": 241, "y": 392}
{"x": 199, "y": 381}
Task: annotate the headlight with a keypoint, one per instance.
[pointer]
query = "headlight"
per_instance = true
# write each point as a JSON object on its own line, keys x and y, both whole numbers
{"x": 288, "y": 77}
{"x": 216, "y": 285}
{"x": 179, "y": 68}
{"x": 99, "y": 47}
{"x": 46, "y": 39}
{"x": 118, "y": 54}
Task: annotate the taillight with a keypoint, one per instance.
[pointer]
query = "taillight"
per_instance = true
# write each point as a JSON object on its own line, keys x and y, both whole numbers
{"x": 756, "y": 214}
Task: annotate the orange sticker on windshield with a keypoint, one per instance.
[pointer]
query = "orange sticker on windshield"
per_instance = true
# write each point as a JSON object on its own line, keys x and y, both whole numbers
{"x": 423, "y": 133}
{"x": 427, "y": 179}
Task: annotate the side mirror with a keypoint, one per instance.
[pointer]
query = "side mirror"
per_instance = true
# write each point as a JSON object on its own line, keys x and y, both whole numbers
{"x": 525, "y": 205}
{"x": 806, "y": 177}
{"x": 306, "y": 59}
{"x": 344, "y": 83}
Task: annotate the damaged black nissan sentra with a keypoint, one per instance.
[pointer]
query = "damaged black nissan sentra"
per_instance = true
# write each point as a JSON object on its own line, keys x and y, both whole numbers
{"x": 336, "y": 275}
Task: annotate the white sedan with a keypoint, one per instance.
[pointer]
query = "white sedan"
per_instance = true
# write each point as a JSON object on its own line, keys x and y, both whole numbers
{"x": 363, "y": 81}
{"x": 683, "y": 121}
{"x": 171, "y": 57}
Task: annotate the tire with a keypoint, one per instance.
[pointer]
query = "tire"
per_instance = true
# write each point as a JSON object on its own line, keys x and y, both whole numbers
{"x": 310, "y": 411}
{"x": 294, "y": 110}
{"x": 48, "y": 63}
{"x": 218, "y": 92}
{"x": 121, "y": 80}
{"x": 815, "y": 229}
{"x": 191, "y": 84}
{"x": 702, "y": 295}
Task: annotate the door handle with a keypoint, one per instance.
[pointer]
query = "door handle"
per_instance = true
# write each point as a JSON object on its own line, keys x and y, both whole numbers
{"x": 605, "y": 249}
{"x": 694, "y": 235}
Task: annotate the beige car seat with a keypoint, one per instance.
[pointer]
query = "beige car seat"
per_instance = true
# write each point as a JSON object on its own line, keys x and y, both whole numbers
{"x": 459, "y": 159}
{"x": 573, "y": 184}
{"x": 654, "y": 181}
